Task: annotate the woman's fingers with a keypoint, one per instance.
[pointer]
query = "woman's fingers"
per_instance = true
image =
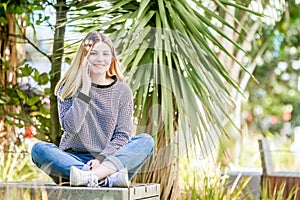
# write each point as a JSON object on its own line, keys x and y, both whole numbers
{"x": 93, "y": 163}
{"x": 85, "y": 77}
{"x": 85, "y": 65}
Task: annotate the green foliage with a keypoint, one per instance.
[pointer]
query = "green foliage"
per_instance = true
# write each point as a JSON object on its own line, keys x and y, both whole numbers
{"x": 24, "y": 8}
{"x": 212, "y": 184}
{"x": 27, "y": 71}
{"x": 277, "y": 94}
{"x": 278, "y": 194}
{"x": 170, "y": 64}
{"x": 29, "y": 99}
{"x": 169, "y": 53}
{"x": 16, "y": 165}
{"x": 22, "y": 105}
{"x": 199, "y": 180}
{"x": 25, "y": 194}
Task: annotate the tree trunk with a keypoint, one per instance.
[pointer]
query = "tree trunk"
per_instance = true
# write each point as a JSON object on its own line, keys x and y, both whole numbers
{"x": 56, "y": 61}
{"x": 13, "y": 53}
{"x": 229, "y": 151}
{"x": 163, "y": 166}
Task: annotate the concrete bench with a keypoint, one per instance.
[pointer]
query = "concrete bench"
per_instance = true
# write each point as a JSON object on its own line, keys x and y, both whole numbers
{"x": 273, "y": 178}
{"x": 51, "y": 191}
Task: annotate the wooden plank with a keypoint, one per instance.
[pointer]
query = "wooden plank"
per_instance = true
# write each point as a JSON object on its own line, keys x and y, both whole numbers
{"x": 266, "y": 156}
{"x": 276, "y": 179}
{"x": 275, "y": 182}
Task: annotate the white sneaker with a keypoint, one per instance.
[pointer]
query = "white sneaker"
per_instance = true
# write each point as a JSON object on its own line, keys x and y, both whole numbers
{"x": 82, "y": 178}
{"x": 119, "y": 179}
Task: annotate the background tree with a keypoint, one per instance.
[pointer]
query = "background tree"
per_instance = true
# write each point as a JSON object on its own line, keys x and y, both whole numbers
{"x": 17, "y": 16}
{"x": 61, "y": 9}
{"x": 274, "y": 102}
{"x": 249, "y": 27}
{"x": 21, "y": 103}
{"x": 12, "y": 53}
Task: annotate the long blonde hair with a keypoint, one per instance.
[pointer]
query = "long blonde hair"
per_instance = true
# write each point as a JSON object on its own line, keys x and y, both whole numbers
{"x": 72, "y": 78}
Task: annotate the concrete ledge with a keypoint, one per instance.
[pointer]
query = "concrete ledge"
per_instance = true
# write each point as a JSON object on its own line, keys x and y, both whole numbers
{"x": 254, "y": 183}
{"x": 51, "y": 191}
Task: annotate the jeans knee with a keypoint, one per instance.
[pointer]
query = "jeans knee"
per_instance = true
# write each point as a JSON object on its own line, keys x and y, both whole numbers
{"x": 148, "y": 141}
{"x": 37, "y": 150}
{"x": 34, "y": 152}
{"x": 37, "y": 147}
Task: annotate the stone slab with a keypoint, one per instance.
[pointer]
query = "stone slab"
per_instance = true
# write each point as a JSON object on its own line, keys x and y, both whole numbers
{"x": 51, "y": 191}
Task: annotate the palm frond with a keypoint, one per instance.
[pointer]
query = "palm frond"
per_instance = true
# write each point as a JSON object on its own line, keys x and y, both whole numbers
{"x": 180, "y": 87}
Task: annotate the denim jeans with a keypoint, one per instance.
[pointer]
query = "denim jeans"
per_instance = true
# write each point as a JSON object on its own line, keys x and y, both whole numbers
{"x": 57, "y": 163}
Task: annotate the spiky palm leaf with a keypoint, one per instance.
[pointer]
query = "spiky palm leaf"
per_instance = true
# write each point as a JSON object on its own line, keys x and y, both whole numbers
{"x": 179, "y": 85}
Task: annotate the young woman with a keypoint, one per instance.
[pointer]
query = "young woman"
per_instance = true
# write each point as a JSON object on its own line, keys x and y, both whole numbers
{"x": 95, "y": 111}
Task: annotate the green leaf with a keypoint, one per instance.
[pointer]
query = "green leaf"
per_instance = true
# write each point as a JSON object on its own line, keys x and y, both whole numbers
{"x": 21, "y": 95}
{"x": 26, "y": 71}
{"x": 33, "y": 100}
{"x": 43, "y": 79}
{"x": 47, "y": 91}
{"x": 36, "y": 75}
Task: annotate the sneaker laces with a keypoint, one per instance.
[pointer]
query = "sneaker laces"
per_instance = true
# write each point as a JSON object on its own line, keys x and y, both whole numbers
{"x": 119, "y": 178}
{"x": 109, "y": 181}
{"x": 104, "y": 182}
{"x": 92, "y": 180}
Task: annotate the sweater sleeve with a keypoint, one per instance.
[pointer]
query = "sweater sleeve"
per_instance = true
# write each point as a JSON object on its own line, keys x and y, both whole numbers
{"x": 72, "y": 112}
{"x": 124, "y": 126}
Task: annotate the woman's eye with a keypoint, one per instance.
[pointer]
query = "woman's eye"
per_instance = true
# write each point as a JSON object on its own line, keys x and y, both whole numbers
{"x": 93, "y": 53}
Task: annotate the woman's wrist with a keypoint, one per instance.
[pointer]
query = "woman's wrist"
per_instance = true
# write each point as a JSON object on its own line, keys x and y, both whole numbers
{"x": 100, "y": 157}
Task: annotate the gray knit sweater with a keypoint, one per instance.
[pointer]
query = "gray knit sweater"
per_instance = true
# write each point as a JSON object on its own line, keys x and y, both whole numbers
{"x": 100, "y": 123}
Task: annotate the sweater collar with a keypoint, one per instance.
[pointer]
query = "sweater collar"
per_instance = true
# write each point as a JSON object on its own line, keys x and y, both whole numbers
{"x": 106, "y": 86}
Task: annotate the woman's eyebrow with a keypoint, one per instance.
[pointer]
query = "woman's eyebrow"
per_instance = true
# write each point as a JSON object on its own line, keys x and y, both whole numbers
{"x": 99, "y": 51}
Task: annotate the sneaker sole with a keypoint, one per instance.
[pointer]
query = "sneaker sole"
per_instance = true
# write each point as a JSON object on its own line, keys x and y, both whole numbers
{"x": 73, "y": 179}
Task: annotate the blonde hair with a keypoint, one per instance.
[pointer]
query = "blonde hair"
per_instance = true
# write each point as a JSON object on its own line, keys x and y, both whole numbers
{"x": 71, "y": 80}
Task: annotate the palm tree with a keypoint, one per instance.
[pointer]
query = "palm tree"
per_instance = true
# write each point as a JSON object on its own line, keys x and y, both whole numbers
{"x": 179, "y": 84}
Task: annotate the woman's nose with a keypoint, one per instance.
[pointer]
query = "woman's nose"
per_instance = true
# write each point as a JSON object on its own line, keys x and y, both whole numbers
{"x": 99, "y": 57}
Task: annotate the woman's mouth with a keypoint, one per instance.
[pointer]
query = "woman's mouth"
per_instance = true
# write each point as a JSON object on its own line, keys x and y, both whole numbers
{"x": 99, "y": 68}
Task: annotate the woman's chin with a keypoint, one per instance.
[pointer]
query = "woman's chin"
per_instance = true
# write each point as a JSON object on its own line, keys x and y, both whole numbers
{"x": 99, "y": 71}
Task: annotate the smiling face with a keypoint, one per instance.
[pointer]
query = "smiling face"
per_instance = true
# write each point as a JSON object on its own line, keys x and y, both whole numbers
{"x": 100, "y": 58}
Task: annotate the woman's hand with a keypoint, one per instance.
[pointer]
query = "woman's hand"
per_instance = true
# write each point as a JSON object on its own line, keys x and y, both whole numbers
{"x": 94, "y": 163}
{"x": 85, "y": 77}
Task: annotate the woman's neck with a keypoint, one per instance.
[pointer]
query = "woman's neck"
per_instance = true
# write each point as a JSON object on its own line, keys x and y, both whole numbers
{"x": 100, "y": 79}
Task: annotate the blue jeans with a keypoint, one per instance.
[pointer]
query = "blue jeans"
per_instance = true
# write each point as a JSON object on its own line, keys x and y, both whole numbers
{"x": 57, "y": 163}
